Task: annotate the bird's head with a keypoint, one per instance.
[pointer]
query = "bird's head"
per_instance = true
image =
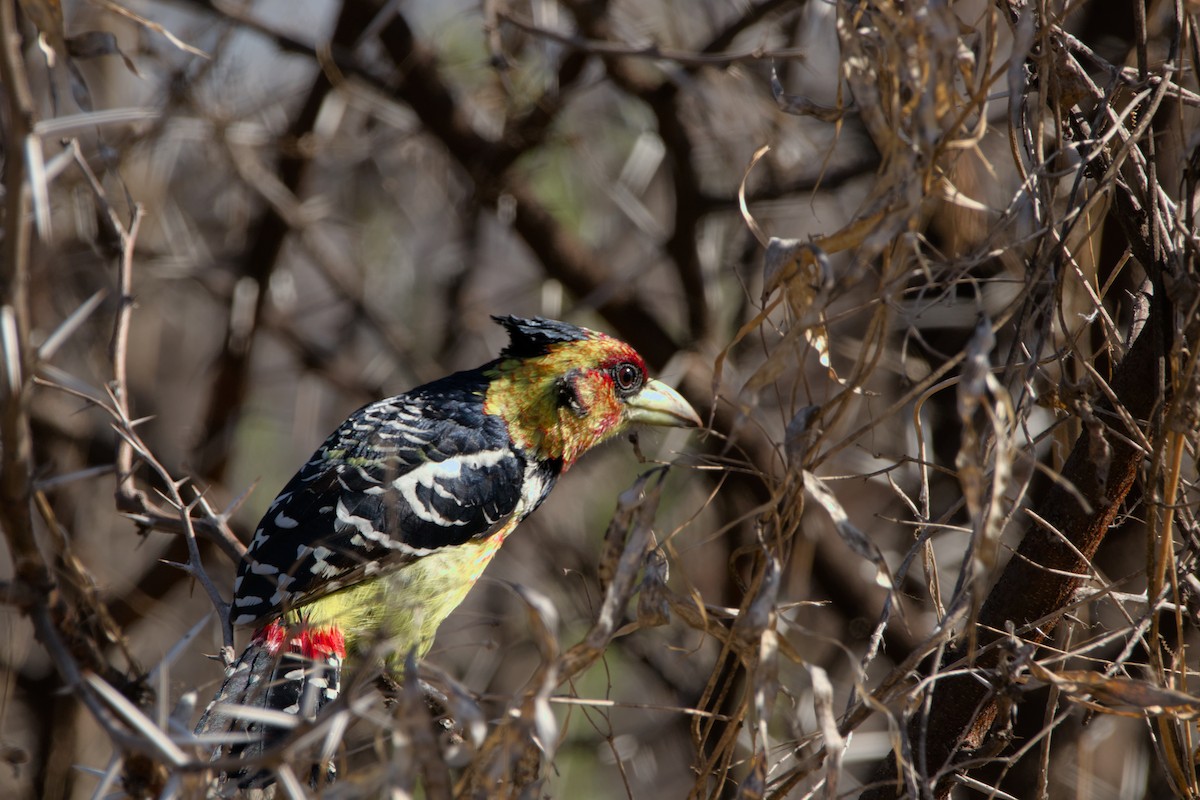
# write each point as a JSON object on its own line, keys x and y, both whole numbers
{"x": 563, "y": 389}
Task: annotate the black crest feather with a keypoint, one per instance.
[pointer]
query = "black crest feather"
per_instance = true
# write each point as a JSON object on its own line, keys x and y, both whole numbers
{"x": 533, "y": 337}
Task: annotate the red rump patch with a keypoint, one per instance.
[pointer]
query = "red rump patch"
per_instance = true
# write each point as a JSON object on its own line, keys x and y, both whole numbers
{"x": 322, "y": 642}
{"x": 271, "y": 636}
{"x": 314, "y": 643}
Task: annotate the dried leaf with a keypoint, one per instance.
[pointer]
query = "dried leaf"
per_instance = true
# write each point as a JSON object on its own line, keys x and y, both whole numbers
{"x": 764, "y": 677}
{"x": 797, "y": 434}
{"x": 1107, "y": 694}
{"x": 628, "y": 539}
{"x": 654, "y": 605}
{"x": 79, "y": 88}
{"x": 801, "y": 266}
{"x": 980, "y": 394}
{"x": 544, "y": 617}
{"x": 751, "y": 223}
{"x": 756, "y": 619}
{"x": 835, "y": 745}
{"x": 854, "y": 538}
{"x": 800, "y": 106}
{"x": 93, "y": 44}
{"x": 635, "y": 512}
{"x": 802, "y": 269}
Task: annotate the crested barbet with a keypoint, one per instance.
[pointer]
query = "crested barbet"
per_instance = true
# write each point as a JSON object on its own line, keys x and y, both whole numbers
{"x": 384, "y": 531}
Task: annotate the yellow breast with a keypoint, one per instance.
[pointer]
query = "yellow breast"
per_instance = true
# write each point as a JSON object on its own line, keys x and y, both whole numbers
{"x": 402, "y": 610}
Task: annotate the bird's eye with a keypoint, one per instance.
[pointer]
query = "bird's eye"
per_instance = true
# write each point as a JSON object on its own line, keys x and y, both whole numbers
{"x": 628, "y": 378}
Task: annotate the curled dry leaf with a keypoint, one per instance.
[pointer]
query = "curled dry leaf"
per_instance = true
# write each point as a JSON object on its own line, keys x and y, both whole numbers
{"x": 802, "y": 270}
{"x": 801, "y": 106}
{"x": 798, "y": 434}
{"x": 822, "y": 690}
{"x": 980, "y": 394}
{"x": 654, "y": 604}
{"x": 854, "y": 538}
{"x": 1126, "y": 697}
{"x": 93, "y": 44}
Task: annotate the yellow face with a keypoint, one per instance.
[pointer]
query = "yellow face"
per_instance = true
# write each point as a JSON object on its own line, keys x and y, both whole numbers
{"x": 563, "y": 403}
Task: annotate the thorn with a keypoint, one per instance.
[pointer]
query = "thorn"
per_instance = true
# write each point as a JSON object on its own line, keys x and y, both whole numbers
{"x": 237, "y": 502}
{"x": 169, "y": 501}
{"x": 181, "y": 567}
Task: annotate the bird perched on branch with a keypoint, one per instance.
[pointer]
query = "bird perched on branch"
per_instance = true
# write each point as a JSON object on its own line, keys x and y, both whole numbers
{"x": 395, "y": 517}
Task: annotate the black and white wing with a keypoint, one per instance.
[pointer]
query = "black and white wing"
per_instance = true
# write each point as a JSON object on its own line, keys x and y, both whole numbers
{"x": 398, "y": 479}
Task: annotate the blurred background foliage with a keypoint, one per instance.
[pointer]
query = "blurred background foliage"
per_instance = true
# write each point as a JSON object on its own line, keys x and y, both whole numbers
{"x": 908, "y": 310}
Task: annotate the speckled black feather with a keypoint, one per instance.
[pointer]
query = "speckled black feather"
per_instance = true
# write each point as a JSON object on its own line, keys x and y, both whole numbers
{"x": 533, "y": 337}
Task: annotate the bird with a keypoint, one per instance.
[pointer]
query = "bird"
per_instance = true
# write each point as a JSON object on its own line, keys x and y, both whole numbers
{"x": 385, "y": 529}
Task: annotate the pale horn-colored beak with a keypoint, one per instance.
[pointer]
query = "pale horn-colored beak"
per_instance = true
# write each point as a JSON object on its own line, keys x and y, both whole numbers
{"x": 659, "y": 404}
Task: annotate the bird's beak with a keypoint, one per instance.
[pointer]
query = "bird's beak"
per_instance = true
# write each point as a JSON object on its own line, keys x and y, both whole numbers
{"x": 659, "y": 404}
